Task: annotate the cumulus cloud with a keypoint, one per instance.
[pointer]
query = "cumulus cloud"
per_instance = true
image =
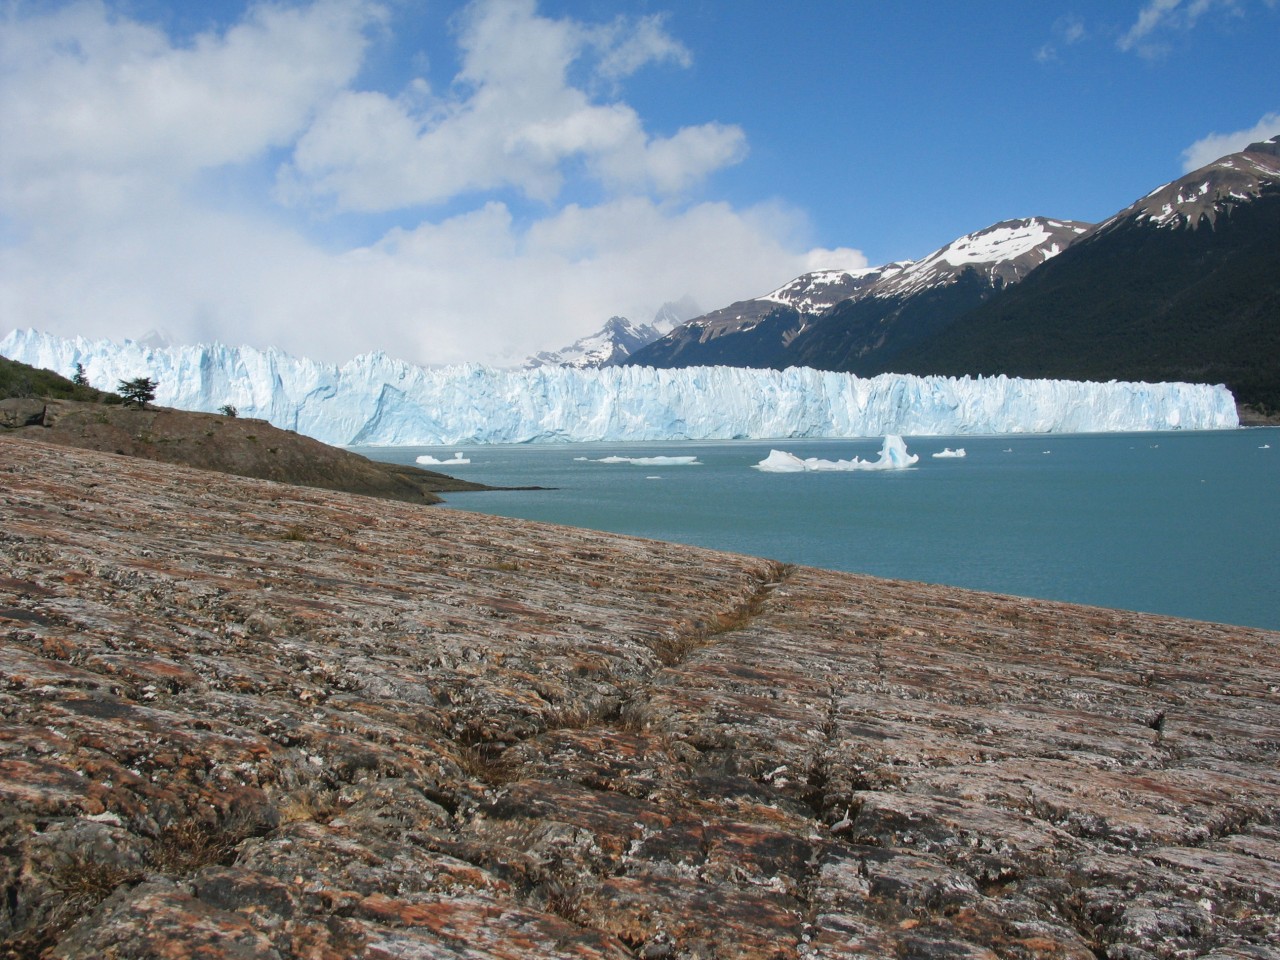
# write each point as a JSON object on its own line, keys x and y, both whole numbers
{"x": 1210, "y": 148}
{"x": 511, "y": 120}
{"x": 93, "y": 103}
{"x": 147, "y": 182}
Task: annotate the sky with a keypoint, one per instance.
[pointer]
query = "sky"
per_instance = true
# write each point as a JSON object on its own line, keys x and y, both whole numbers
{"x": 452, "y": 181}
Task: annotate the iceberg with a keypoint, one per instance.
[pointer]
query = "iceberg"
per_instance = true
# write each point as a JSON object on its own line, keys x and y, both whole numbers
{"x": 647, "y": 461}
{"x": 893, "y": 456}
{"x": 948, "y": 452}
{"x": 376, "y": 400}
{"x": 427, "y": 460}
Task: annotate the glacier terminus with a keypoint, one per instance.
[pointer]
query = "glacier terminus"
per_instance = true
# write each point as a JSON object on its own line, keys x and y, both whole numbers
{"x": 377, "y": 400}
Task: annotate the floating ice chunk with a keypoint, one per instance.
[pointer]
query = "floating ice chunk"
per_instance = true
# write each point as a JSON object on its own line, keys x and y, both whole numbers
{"x": 893, "y": 456}
{"x": 948, "y": 452}
{"x": 648, "y": 461}
{"x": 427, "y": 460}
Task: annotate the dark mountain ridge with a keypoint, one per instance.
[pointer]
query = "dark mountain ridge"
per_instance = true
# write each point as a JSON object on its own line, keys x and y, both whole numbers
{"x": 1184, "y": 284}
{"x": 863, "y": 319}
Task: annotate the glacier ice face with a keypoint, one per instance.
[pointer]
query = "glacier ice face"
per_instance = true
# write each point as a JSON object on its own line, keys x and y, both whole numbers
{"x": 376, "y": 400}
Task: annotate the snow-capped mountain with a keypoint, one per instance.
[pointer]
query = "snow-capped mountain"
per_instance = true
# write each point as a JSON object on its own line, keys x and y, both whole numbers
{"x": 1001, "y": 254}
{"x": 1202, "y": 196}
{"x": 610, "y": 345}
{"x": 374, "y": 399}
{"x": 1184, "y": 284}
{"x": 800, "y": 323}
{"x": 617, "y": 340}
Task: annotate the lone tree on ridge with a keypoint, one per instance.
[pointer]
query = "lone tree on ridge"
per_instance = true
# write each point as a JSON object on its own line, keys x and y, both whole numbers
{"x": 140, "y": 391}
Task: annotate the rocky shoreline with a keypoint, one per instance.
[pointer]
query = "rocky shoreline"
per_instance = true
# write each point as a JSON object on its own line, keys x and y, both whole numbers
{"x": 249, "y": 720}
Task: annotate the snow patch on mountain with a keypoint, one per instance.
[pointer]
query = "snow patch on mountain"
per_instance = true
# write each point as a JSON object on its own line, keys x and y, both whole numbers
{"x": 1004, "y": 252}
{"x": 376, "y": 400}
{"x": 1203, "y": 195}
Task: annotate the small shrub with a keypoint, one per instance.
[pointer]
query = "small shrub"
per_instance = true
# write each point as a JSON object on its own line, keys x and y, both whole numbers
{"x": 487, "y": 762}
{"x": 309, "y": 805}
{"x": 189, "y": 845}
{"x": 227, "y": 410}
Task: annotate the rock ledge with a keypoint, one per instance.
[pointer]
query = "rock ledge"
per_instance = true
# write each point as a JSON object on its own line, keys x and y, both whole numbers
{"x": 240, "y": 719}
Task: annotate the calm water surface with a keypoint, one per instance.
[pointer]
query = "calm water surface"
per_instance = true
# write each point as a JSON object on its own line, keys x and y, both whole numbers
{"x": 1178, "y": 523}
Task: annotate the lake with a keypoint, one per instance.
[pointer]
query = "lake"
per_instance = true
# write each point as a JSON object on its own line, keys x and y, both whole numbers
{"x": 1178, "y": 523}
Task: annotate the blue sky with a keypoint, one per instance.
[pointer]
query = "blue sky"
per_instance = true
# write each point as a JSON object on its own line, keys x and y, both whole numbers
{"x": 451, "y": 181}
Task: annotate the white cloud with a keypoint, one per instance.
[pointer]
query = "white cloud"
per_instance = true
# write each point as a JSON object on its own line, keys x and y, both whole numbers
{"x": 1161, "y": 16}
{"x": 627, "y": 48}
{"x": 512, "y": 119}
{"x": 92, "y": 104}
{"x": 1067, "y": 31}
{"x": 117, "y": 145}
{"x": 477, "y": 286}
{"x": 1215, "y": 145}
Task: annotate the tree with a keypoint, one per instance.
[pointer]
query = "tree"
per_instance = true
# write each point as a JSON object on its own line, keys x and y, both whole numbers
{"x": 227, "y": 410}
{"x": 139, "y": 391}
{"x": 80, "y": 378}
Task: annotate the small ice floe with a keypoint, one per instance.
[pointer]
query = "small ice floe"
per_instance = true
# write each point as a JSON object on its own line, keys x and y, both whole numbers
{"x": 653, "y": 477}
{"x": 647, "y": 461}
{"x": 427, "y": 460}
{"x": 893, "y": 456}
{"x": 1265, "y": 446}
{"x": 948, "y": 452}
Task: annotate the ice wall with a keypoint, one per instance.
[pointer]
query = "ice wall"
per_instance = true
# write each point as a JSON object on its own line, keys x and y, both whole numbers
{"x": 374, "y": 399}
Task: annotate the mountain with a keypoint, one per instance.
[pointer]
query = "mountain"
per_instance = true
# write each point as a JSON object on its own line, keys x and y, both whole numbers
{"x": 376, "y": 400}
{"x": 865, "y": 334}
{"x": 751, "y": 333}
{"x": 1182, "y": 285}
{"x": 610, "y": 345}
{"x": 835, "y": 320}
{"x": 617, "y": 340}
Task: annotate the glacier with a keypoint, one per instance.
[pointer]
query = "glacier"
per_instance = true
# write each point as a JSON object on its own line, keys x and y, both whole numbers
{"x": 377, "y": 400}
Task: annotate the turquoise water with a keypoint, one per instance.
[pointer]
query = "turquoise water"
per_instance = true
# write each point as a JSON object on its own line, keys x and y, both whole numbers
{"x": 1178, "y": 523}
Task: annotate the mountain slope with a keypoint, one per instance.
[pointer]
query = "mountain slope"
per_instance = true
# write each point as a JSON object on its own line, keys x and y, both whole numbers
{"x": 755, "y": 333}
{"x": 1182, "y": 285}
{"x": 857, "y": 323}
{"x": 866, "y": 334}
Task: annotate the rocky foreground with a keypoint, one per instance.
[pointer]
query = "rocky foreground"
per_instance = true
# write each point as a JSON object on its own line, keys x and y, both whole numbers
{"x": 240, "y": 719}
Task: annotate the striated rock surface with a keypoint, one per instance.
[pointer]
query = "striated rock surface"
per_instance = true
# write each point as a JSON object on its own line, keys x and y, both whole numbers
{"x": 240, "y": 719}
